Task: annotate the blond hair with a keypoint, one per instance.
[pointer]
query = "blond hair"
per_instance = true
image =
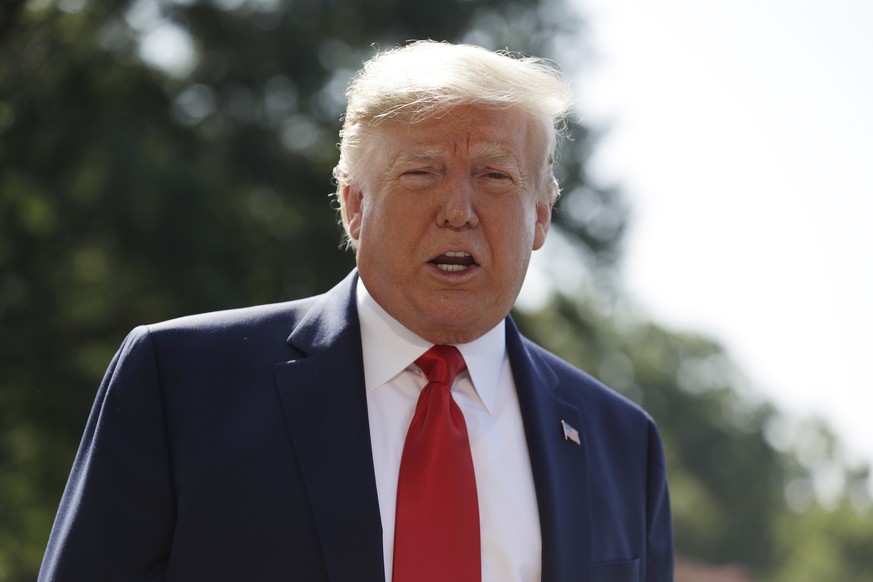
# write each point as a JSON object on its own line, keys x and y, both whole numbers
{"x": 425, "y": 79}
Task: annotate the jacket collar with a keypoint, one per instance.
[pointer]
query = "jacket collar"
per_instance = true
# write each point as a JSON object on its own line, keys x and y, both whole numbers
{"x": 324, "y": 399}
{"x": 559, "y": 465}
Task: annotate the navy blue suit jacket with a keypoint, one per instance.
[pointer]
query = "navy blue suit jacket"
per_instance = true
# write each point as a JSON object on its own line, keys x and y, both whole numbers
{"x": 221, "y": 448}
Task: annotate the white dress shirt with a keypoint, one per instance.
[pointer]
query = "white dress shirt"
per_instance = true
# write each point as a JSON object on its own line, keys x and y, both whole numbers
{"x": 508, "y": 517}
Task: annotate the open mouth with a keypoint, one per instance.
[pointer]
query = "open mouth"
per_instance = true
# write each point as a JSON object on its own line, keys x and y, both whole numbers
{"x": 453, "y": 261}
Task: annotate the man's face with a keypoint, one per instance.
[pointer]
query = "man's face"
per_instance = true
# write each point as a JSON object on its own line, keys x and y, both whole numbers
{"x": 446, "y": 216}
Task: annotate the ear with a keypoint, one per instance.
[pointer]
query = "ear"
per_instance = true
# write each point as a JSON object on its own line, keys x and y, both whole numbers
{"x": 352, "y": 210}
{"x": 541, "y": 228}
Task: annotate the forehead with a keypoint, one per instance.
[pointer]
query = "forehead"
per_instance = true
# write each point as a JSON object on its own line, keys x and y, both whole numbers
{"x": 461, "y": 131}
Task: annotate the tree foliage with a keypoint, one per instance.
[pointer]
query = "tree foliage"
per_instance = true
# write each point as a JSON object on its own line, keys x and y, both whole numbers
{"x": 165, "y": 157}
{"x": 731, "y": 485}
{"x": 713, "y": 439}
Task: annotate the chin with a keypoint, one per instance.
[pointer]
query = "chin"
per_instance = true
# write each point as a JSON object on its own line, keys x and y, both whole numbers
{"x": 457, "y": 331}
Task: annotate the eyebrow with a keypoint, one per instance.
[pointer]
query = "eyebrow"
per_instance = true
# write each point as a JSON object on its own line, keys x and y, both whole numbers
{"x": 488, "y": 152}
{"x": 496, "y": 152}
{"x": 420, "y": 155}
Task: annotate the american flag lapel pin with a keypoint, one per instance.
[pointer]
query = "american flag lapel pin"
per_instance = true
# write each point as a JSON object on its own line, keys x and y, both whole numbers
{"x": 570, "y": 433}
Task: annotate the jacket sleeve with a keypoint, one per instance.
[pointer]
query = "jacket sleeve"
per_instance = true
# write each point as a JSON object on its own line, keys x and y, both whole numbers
{"x": 659, "y": 532}
{"x": 116, "y": 517}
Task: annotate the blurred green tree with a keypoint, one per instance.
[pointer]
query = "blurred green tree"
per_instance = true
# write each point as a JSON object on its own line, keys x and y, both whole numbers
{"x": 726, "y": 479}
{"x": 826, "y": 544}
{"x": 742, "y": 486}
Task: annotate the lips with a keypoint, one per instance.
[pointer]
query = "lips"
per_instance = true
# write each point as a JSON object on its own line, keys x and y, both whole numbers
{"x": 453, "y": 261}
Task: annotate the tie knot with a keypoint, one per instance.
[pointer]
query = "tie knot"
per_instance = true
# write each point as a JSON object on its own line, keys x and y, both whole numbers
{"x": 442, "y": 364}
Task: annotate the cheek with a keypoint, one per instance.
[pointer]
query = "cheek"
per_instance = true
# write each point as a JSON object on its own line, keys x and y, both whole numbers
{"x": 383, "y": 227}
{"x": 525, "y": 225}
{"x": 514, "y": 237}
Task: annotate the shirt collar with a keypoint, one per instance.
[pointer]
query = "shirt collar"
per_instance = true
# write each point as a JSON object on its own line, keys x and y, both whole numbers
{"x": 389, "y": 348}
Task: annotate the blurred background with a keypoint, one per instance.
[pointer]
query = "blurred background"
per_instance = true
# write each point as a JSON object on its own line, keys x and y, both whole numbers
{"x": 709, "y": 258}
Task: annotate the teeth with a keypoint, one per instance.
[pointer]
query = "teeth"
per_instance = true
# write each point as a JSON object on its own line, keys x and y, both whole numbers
{"x": 457, "y": 254}
{"x": 451, "y": 268}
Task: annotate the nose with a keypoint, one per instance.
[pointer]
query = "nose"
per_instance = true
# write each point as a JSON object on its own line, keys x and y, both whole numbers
{"x": 456, "y": 204}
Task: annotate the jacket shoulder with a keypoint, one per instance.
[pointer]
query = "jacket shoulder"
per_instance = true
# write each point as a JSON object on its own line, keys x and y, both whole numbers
{"x": 584, "y": 390}
{"x": 242, "y": 332}
{"x": 284, "y": 313}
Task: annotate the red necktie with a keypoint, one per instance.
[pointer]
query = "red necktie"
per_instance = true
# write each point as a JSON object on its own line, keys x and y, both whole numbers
{"x": 436, "y": 535}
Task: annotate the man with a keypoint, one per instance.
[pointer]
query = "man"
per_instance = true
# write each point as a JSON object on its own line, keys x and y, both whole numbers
{"x": 287, "y": 442}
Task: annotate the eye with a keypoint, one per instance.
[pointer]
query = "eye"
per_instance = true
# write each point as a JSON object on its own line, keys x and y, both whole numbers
{"x": 417, "y": 174}
{"x": 497, "y": 176}
{"x": 418, "y": 178}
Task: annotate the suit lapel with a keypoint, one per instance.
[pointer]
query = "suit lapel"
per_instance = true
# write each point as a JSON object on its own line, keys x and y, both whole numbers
{"x": 559, "y": 466}
{"x": 324, "y": 401}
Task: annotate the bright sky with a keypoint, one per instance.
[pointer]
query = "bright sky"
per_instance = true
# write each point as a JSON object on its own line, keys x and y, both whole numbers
{"x": 742, "y": 133}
